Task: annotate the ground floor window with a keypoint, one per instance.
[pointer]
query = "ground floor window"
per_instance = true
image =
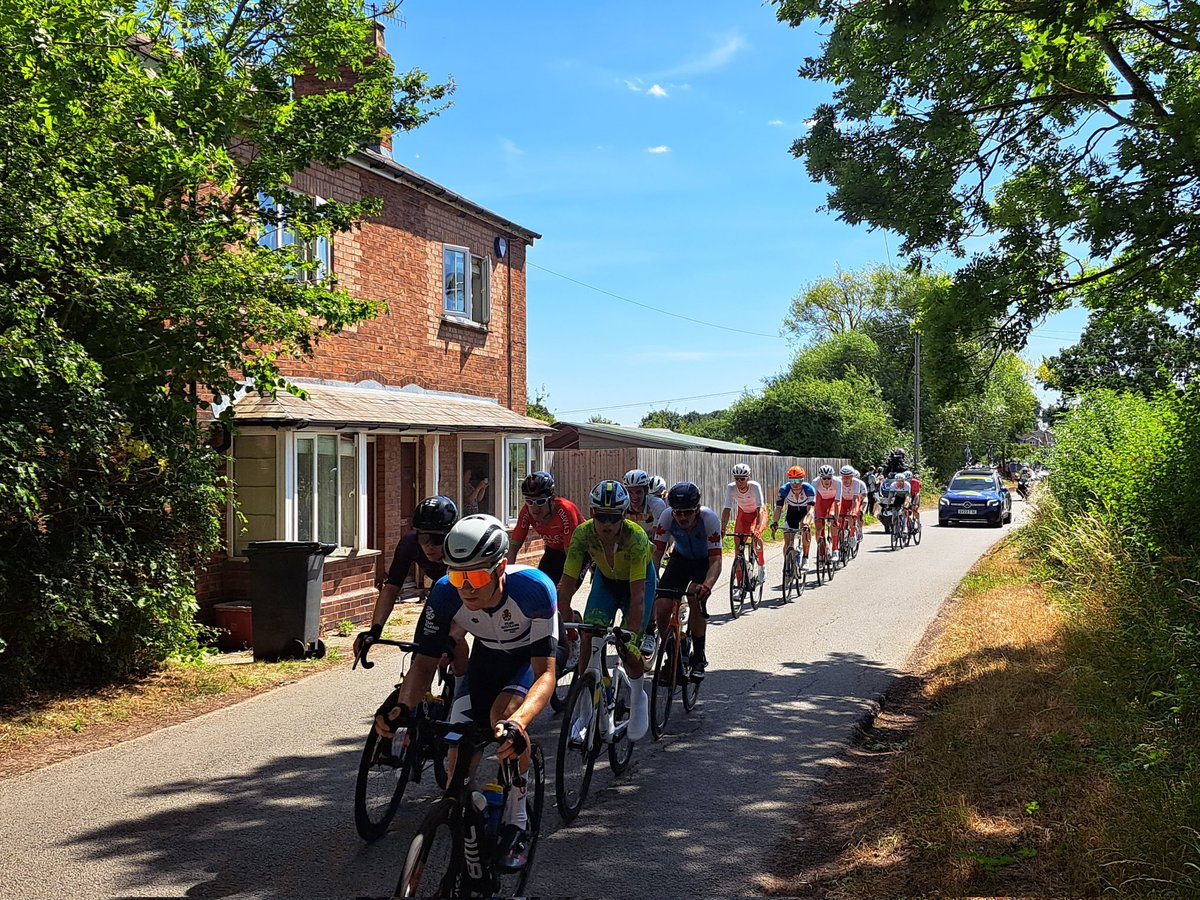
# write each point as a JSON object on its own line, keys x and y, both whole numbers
{"x": 254, "y": 477}
{"x": 327, "y": 488}
{"x": 523, "y": 455}
{"x": 476, "y": 486}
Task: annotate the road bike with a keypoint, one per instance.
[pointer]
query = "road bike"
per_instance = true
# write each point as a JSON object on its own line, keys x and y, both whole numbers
{"x": 387, "y": 766}
{"x": 596, "y": 714}
{"x": 914, "y": 526}
{"x": 673, "y": 663}
{"x": 743, "y": 585}
{"x": 460, "y": 844}
{"x": 825, "y": 564}
{"x": 847, "y": 540}
{"x": 898, "y": 531}
{"x": 565, "y": 665}
{"x": 795, "y": 578}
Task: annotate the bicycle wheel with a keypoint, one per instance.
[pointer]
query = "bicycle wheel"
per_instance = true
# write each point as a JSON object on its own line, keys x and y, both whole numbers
{"x": 830, "y": 565}
{"x": 691, "y": 687}
{"x": 433, "y": 866}
{"x": 916, "y": 535}
{"x": 513, "y": 885}
{"x": 577, "y": 753}
{"x": 662, "y": 687}
{"x": 799, "y": 577}
{"x": 380, "y": 784}
{"x": 756, "y": 586}
{"x": 566, "y": 673}
{"x": 820, "y": 567}
{"x": 737, "y": 585}
{"x": 788, "y": 563}
{"x": 620, "y": 750}
{"x": 895, "y": 537}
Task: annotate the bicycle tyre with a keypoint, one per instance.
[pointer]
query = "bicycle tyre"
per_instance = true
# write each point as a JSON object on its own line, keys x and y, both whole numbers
{"x": 788, "y": 564}
{"x": 800, "y": 580}
{"x": 439, "y": 838}
{"x": 737, "y": 585}
{"x": 376, "y": 780}
{"x": 917, "y": 533}
{"x": 820, "y": 566}
{"x": 691, "y": 687}
{"x": 562, "y": 690}
{"x": 662, "y": 688}
{"x": 895, "y": 538}
{"x": 582, "y": 758}
{"x": 514, "y": 885}
{"x": 620, "y": 752}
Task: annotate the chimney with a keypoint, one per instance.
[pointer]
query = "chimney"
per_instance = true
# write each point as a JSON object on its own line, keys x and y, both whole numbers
{"x": 307, "y": 83}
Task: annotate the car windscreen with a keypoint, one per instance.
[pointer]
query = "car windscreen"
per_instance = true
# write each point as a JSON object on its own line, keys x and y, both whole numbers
{"x": 972, "y": 483}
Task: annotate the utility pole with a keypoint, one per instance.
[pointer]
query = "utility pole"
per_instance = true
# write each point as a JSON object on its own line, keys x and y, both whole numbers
{"x": 917, "y": 402}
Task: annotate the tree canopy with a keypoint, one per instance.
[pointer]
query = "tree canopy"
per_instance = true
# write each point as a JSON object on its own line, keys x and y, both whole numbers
{"x": 1051, "y": 146}
{"x": 138, "y": 142}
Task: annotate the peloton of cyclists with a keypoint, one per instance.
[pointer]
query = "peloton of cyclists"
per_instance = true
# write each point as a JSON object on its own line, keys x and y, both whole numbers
{"x": 798, "y": 497}
{"x": 696, "y": 558}
{"x": 747, "y": 497}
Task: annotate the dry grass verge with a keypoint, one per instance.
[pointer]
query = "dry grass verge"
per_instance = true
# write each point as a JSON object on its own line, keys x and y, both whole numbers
{"x": 52, "y": 727}
{"x": 982, "y": 776}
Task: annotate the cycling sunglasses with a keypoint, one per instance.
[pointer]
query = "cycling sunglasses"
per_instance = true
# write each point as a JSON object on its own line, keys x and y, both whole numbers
{"x": 538, "y": 501}
{"x": 478, "y": 578}
{"x": 795, "y": 481}
{"x": 430, "y": 537}
{"x": 684, "y": 513}
{"x": 741, "y": 477}
{"x": 608, "y": 518}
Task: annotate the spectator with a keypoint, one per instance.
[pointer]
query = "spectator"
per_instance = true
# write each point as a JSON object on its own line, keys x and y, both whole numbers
{"x": 473, "y": 492}
{"x": 872, "y": 479}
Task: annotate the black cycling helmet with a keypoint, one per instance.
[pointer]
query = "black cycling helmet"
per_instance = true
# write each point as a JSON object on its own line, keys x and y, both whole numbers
{"x": 683, "y": 495}
{"x": 435, "y": 514}
{"x": 538, "y": 484}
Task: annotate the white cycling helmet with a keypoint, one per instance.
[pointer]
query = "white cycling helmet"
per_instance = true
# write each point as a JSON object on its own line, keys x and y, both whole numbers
{"x": 610, "y": 496}
{"x": 825, "y": 472}
{"x": 658, "y": 484}
{"x": 741, "y": 470}
{"x": 475, "y": 542}
{"x": 848, "y": 471}
{"x": 637, "y": 478}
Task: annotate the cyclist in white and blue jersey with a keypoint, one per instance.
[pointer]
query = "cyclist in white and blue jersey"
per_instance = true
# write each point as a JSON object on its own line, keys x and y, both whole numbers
{"x": 798, "y": 496}
{"x": 697, "y": 558}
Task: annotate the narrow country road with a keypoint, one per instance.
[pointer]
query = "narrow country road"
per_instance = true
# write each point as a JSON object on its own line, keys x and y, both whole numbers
{"x": 255, "y": 800}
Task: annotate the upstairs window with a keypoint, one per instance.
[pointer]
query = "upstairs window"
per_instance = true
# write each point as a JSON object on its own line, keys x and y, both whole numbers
{"x": 466, "y": 285}
{"x": 280, "y": 236}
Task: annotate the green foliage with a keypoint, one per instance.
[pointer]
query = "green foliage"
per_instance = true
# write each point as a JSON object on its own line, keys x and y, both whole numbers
{"x": 815, "y": 417}
{"x": 601, "y": 420}
{"x": 838, "y": 356}
{"x": 714, "y": 425}
{"x": 537, "y": 409}
{"x": 137, "y": 140}
{"x": 1053, "y": 131}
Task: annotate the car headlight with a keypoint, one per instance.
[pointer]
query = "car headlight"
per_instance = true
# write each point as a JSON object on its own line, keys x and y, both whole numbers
{"x": 944, "y": 502}
{"x": 993, "y": 503}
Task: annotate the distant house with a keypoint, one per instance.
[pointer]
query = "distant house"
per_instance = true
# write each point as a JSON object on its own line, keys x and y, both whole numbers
{"x": 595, "y": 436}
{"x": 1037, "y": 438}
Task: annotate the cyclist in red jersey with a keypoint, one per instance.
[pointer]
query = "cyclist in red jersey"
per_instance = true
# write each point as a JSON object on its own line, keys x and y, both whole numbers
{"x": 553, "y": 518}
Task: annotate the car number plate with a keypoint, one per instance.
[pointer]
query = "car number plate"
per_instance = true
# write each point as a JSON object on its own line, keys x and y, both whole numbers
{"x": 969, "y": 512}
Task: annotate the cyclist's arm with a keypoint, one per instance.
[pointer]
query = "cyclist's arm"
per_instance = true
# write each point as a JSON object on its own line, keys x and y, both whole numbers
{"x": 536, "y": 700}
{"x": 418, "y": 679}
{"x": 566, "y": 590}
{"x": 637, "y": 604}
{"x": 778, "y": 514}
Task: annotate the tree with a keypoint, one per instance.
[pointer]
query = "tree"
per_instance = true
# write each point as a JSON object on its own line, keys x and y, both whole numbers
{"x": 853, "y": 301}
{"x": 1064, "y": 133}
{"x": 536, "y": 408}
{"x": 714, "y": 425}
{"x": 1136, "y": 351}
{"x": 600, "y": 420}
{"x": 133, "y": 289}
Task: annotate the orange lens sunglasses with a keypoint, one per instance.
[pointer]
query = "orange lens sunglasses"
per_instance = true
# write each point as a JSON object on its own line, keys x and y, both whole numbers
{"x": 478, "y": 577}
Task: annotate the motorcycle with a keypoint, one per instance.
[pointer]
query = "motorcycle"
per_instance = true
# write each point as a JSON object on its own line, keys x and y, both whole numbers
{"x": 1023, "y": 489}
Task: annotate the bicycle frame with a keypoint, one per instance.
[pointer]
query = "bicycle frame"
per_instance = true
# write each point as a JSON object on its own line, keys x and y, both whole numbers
{"x": 608, "y": 681}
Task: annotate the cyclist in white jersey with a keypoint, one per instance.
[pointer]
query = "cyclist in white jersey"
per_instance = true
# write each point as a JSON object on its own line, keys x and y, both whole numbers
{"x": 747, "y": 496}
{"x": 829, "y": 497}
{"x": 644, "y": 508}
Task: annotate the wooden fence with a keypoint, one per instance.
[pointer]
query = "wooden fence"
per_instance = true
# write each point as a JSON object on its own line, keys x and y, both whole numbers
{"x": 577, "y": 471}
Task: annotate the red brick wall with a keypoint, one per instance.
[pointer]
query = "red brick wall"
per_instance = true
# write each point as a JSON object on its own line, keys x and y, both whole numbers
{"x": 397, "y": 258}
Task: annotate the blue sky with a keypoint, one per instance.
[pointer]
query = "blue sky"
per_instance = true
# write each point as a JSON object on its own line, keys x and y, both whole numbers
{"x": 649, "y": 144}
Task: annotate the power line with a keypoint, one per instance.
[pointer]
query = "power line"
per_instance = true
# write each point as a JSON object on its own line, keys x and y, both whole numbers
{"x": 664, "y": 312}
{"x": 567, "y": 412}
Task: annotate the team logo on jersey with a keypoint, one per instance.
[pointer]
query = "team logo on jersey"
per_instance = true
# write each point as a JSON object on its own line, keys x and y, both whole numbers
{"x": 430, "y": 626}
{"x": 507, "y": 624}
{"x": 715, "y": 537}
{"x": 507, "y": 615}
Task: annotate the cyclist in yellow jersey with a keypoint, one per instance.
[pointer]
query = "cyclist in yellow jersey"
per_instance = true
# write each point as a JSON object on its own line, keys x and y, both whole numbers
{"x": 625, "y": 578}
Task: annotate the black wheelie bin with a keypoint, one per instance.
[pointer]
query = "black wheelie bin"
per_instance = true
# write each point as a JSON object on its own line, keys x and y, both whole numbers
{"x": 285, "y": 598}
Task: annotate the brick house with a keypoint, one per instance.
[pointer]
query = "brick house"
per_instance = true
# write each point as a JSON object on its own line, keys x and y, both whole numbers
{"x": 400, "y": 407}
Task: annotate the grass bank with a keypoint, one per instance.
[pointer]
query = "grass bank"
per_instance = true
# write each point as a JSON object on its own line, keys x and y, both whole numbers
{"x": 1008, "y": 767}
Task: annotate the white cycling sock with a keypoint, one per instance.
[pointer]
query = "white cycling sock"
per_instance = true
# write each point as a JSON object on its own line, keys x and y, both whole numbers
{"x": 515, "y": 812}
{"x": 639, "y": 711}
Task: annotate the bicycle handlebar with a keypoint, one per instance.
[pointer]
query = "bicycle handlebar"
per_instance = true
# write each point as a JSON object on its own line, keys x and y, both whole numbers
{"x": 676, "y": 593}
{"x": 406, "y": 646}
{"x": 603, "y": 630}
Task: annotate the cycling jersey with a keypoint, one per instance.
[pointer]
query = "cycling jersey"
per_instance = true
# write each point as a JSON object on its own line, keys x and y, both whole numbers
{"x": 806, "y": 497}
{"x": 632, "y": 554}
{"x": 652, "y": 509}
{"x": 408, "y": 551}
{"x": 523, "y": 623}
{"x": 914, "y": 485}
{"x": 828, "y": 493}
{"x": 747, "y": 501}
{"x": 856, "y": 488}
{"x": 700, "y": 541}
{"x": 556, "y": 531}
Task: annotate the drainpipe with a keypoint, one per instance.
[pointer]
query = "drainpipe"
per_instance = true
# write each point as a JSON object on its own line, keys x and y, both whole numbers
{"x": 508, "y": 322}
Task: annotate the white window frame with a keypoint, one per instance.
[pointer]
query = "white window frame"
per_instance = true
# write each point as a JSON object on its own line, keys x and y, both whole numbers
{"x": 535, "y": 456}
{"x": 278, "y": 237}
{"x": 476, "y": 309}
{"x": 292, "y": 518}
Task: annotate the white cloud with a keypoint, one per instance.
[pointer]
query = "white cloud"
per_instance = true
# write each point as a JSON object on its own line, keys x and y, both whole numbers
{"x": 635, "y": 85}
{"x": 715, "y": 58}
{"x": 511, "y": 151}
{"x": 661, "y": 148}
{"x": 656, "y": 90}
{"x": 776, "y": 122}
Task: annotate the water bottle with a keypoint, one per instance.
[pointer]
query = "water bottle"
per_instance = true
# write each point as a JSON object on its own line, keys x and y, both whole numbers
{"x": 493, "y": 793}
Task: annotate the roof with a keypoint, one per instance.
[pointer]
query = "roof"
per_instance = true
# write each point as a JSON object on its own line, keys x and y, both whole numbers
{"x": 372, "y": 406}
{"x": 379, "y": 162}
{"x": 663, "y": 438}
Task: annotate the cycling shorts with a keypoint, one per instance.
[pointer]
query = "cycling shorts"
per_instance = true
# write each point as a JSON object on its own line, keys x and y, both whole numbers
{"x": 847, "y": 507}
{"x": 796, "y": 516}
{"x": 608, "y": 595}
{"x": 898, "y": 501}
{"x": 552, "y": 563}
{"x": 680, "y": 570}
{"x": 490, "y": 673}
{"x": 747, "y": 522}
{"x": 824, "y": 507}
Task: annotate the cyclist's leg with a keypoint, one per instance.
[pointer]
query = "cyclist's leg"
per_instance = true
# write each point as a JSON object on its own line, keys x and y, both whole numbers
{"x": 601, "y": 609}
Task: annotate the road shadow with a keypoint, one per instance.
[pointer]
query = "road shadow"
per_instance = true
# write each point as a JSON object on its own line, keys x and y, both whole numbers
{"x": 707, "y": 797}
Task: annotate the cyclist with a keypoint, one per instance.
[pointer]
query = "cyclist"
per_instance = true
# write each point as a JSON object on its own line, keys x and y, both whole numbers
{"x": 829, "y": 495}
{"x": 854, "y": 494}
{"x": 511, "y": 612}
{"x": 624, "y": 578}
{"x": 658, "y": 487}
{"x": 914, "y": 489}
{"x": 697, "y": 558}
{"x": 553, "y": 518}
{"x": 422, "y": 546}
{"x": 747, "y": 495}
{"x": 798, "y": 496}
{"x": 644, "y": 509}
{"x": 901, "y": 498}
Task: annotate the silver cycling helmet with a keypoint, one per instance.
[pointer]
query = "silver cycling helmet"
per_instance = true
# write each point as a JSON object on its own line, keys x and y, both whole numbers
{"x": 475, "y": 542}
{"x": 848, "y": 470}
